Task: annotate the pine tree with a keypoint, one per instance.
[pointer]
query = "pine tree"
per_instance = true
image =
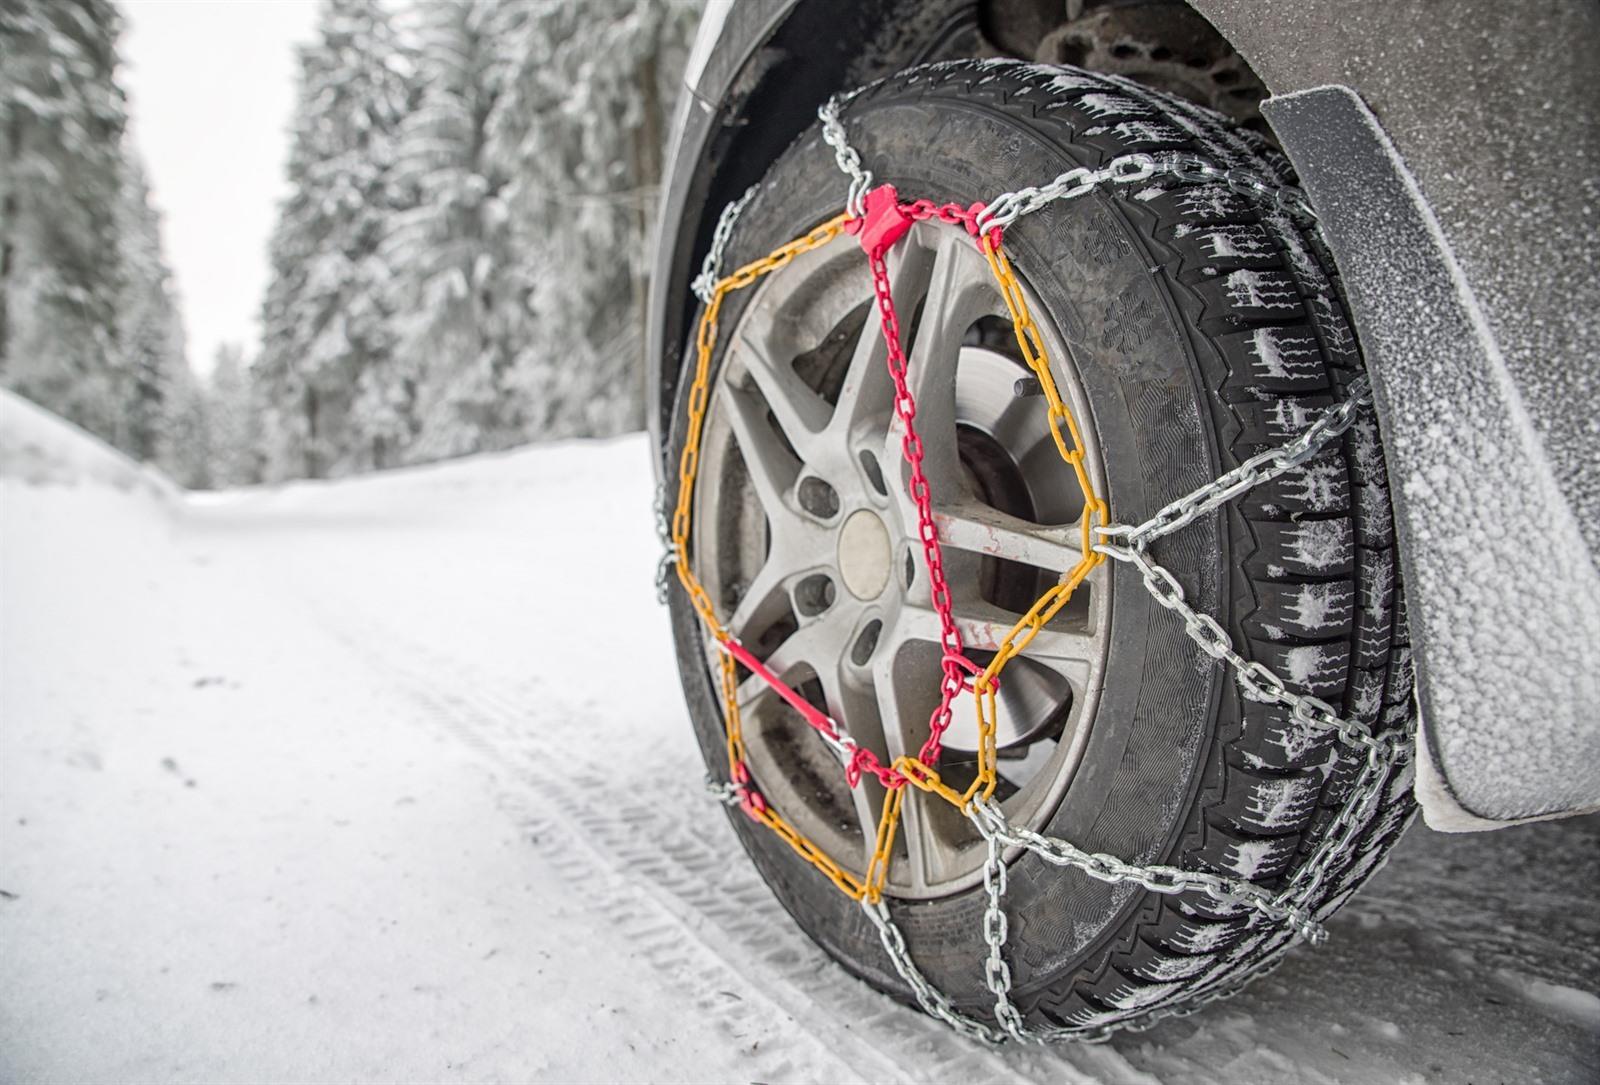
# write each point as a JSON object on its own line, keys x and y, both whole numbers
{"x": 149, "y": 332}
{"x": 326, "y": 328}
{"x": 235, "y": 420}
{"x": 459, "y": 320}
{"x": 584, "y": 137}
{"x": 61, "y": 123}
{"x": 188, "y": 452}
{"x": 514, "y": 243}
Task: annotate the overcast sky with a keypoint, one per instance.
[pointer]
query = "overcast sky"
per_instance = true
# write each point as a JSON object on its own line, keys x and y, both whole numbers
{"x": 211, "y": 88}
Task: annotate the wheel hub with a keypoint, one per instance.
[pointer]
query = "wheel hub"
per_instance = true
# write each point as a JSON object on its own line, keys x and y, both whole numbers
{"x": 864, "y": 554}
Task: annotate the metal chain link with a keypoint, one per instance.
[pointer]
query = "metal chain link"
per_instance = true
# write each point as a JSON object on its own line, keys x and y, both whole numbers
{"x": 932, "y": 1001}
{"x": 669, "y": 553}
{"x": 711, "y": 267}
{"x": 1291, "y": 908}
{"x": 1258, "y": 469}
{"x": 1006, "y": 208}
{"x": 849, "y": 161}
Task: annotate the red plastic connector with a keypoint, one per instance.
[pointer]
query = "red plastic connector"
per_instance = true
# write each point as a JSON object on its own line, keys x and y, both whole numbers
{"x": 884, "y": 222}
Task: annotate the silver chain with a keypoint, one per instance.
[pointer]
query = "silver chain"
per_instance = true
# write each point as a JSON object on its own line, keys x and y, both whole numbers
{"x": 705, "y": 283}
{"x": 1259, "y": 468}
{"x": 929, "y": 997}
{"x": 1292, "y": 908}
{"x": 669, "y": 553}
{"x": 1008, "y": 207}
{"x": 725, "y": 793}
{"x": 845, "y": 155}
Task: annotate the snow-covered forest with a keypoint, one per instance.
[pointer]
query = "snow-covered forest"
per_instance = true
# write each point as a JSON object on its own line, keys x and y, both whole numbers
{"x": 458, "y": 266}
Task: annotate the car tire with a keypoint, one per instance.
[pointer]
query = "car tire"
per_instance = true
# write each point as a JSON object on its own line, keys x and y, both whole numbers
{"x": 1204, "y": 327}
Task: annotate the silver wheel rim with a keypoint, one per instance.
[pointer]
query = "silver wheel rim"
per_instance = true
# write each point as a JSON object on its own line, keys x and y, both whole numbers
{"x": 805, "y": 537}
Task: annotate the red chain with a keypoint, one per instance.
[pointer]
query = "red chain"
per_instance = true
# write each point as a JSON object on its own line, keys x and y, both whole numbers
{"x": 886, "y": 221}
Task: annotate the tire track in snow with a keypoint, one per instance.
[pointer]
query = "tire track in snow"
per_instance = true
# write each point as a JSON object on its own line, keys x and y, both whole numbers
{"x": 670, "y": 875}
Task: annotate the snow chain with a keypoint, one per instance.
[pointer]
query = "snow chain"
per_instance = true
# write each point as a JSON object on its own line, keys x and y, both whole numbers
{"x": 879, "y": 219}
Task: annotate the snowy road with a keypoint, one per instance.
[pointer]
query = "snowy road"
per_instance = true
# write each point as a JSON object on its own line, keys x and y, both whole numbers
{"x": 390, "y": 779}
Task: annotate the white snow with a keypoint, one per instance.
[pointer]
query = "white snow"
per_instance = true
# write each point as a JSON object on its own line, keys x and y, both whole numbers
{"x": 1321, "y": 544}
{"x": 1240, "y": 242}
{"x": 1132, "y": 997}
{"x": 1112, "y": 105}
{"x": 1066, "y": 84}
{"x": 1261, "y": 290}
{"x": 1146, "y": 132}
{"x": 1205, "y": 202}
{"x": 1250, "y": 858}
{"x": 391, "y": 779}
{"x": 1306, "y": 663}
{"x": 1274, "y": 804}
{"x": 1318, "y": 485}
{"x": 1283, "y": 354}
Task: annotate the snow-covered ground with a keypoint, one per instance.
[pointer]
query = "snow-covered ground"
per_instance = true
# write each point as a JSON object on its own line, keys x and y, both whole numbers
{"x": 391, "y": 779}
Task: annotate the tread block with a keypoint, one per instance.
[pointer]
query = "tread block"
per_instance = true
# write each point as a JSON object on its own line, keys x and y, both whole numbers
{"x": 1258, "y": 804}
{"x": 1364, "y": 698}
{"x": 1142, "y": 135}
{"x": 1228, "y": 245}
{"x": 1320, "y": 487}
{"x": 1197, "y": 205}
{"x": 1103, "y": 105}
{"x": 1194, "y": 934}
{"x": 1397, "y": 690}
{"x": 1251, "y": 296}
{"x": 1318, "y": 669}
{"x": 1375, "y": 592}
{"x": 1150, "y": 962}
{"x": 1077, "y": 1011}
{"x": 1314, "y": 610}
{"x": 1276, "y": 359}
{"x": 1375, "y": 525}
{"x": 1309, "y": 548}
{"x": 1272, "y": 739}
{"x": 1254, "y": 858}
{"x": 1366, "y": 451}
{"x": 1267, "y": 424}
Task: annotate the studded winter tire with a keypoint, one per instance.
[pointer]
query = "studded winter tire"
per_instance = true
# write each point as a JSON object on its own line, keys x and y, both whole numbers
{"x": 1189, "y": 327}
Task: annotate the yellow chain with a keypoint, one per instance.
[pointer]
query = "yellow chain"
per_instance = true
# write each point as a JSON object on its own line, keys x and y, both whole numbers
{"x": 688, "y": 467}
{"x": 1070, "y": 445}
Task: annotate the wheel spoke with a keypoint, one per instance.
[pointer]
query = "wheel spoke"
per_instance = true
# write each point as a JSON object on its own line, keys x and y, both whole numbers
{"x": 984, "y": 626}
{"x": 980, "y": 529}
{"x": 814, "y": 646}
{"x": 772, "y": 468}
{"x": 852, "y": 703}
{"x": 763, "y": 602}
{"x": 801, "y": 414}
{"x": 955, "y": 296}
{"x": 868, "y": 391}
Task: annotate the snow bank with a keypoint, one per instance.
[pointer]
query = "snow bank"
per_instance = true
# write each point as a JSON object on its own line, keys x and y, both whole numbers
{"x": 38, "y": 448}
